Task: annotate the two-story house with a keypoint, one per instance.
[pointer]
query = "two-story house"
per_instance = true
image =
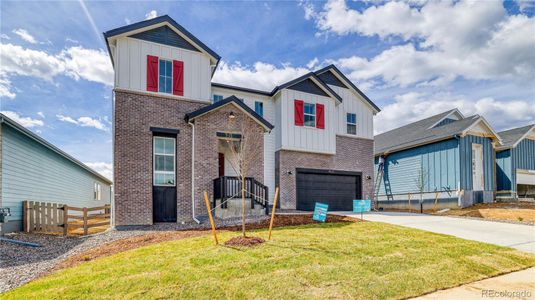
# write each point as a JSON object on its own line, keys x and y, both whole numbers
{"x": 174, "y": 129}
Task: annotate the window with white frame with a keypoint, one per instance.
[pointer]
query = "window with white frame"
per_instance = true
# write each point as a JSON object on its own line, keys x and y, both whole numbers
{"x": 259, "y": 108}
{"x": 164, "y": 161}
{"x": 310, "y": 114}
{"x": 97, "y": 191}
{"x": 351, "y": 123}
{"x": 165, "y": 76}
{"x": 217, "y": 98}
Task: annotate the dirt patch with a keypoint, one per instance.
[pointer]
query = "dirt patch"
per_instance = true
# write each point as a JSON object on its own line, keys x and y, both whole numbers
{"x": 294, "y": 220}
{"x": 244, "y": 241}
{"x": 504, "y": 211}
{"x": 125, "y": 245}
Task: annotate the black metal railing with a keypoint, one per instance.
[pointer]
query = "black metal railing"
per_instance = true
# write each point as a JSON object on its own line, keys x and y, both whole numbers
{"x": 226, "y": 187}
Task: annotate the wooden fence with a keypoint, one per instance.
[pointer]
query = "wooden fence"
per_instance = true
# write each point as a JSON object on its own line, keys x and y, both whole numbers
{"x": 61, "y": 218}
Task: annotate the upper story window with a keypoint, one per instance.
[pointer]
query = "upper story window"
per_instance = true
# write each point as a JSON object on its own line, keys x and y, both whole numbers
{"x": 217, "y": 98}
{"x": 310, "y": 114}
{"x": 165, "y": 76}
{"x": 97, "y": 191}
{"x": 351, "y": 123}
{"x": 164, "y": 161}
{"x": 259, "y": 108}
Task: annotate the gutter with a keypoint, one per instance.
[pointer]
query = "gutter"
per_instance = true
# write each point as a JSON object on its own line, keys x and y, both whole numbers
{"x": 193, "y": 173}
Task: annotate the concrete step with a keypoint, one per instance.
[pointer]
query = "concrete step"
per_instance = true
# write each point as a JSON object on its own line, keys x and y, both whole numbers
{"x": 234, "y": 209}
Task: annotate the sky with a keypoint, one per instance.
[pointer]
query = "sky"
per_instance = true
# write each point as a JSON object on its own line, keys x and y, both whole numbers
{"x": 413, "y": 59}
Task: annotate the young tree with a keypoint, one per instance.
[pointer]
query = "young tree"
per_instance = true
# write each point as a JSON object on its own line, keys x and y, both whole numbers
{"x": 421, "y": 183}
{"x": 244, "y": 151}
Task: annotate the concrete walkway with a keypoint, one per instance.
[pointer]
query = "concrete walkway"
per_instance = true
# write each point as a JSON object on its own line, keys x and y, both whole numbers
{"x": 521, "y": 237}
{"x": 516, "y": 285}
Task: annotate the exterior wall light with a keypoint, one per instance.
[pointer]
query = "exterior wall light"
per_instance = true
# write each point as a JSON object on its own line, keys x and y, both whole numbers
{"x": 231, "y": 115}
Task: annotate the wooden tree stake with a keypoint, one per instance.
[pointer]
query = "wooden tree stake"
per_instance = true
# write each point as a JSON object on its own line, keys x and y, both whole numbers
{"x": 436, "y": 200}
{"x": 210, "y": 216}
{"x": 273, "y": 212}
{"x": 409, "y": 202}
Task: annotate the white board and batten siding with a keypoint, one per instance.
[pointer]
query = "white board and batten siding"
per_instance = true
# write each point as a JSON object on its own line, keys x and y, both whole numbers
{"x": 269, "y": 138}
{"x": 353, "y": 103}
{"x": 131, "y": 69}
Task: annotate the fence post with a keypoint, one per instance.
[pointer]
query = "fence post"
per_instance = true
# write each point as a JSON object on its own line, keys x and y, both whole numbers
{"x": 25, "y": 216}
{"x": 65, "y": 219}
{"x": 436, "y": 199}
{"x": 85, "y": 220}
{"x": 409, "y": 202}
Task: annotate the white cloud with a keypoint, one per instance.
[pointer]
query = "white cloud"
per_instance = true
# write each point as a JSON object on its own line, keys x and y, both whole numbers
{"x": 72, "y": 41}
{"x": 41, "y": 114}
{"x": 309, "y": 10}
{"x": 83, "y": 122}
{"x": 76, "y": 62}
{"x": 23, "y": 34}
{"x": 482, "y": 42}
{"x": 151, "y": 15}
{"x": 105, "y": 169}
{"x": 5, "y": 88}
{"x": 4, "y": 36}
{"x": 413, "y": 106}
{"x": 260, "y": 75}
{"x": 24, "y": 121}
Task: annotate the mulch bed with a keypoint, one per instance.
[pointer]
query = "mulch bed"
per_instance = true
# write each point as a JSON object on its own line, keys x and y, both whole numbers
{"x": 157, "y": 237}
{"x": 244, "y": 241}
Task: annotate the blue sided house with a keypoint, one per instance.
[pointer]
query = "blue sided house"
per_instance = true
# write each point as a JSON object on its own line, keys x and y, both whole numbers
{"x": 448, "y": 155}
{"x": 33, "y": 169}
{"x": 515, "y": 163}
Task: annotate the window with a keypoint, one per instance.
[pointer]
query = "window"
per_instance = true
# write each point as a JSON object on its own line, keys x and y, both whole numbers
{"x": 351, "y": 123}
{"x": 165, "y": 76}
{"x": 97, "y": 191}
{"x": 164, "y": 161}
{"x": 217, "y": 98}
{"x": 310, "y": 115}
{"x": 259, "y": 108}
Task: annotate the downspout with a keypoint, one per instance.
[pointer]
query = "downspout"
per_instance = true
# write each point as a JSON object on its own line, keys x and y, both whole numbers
{"x": 460, "y": 193}
{"x": 193, "y": 172}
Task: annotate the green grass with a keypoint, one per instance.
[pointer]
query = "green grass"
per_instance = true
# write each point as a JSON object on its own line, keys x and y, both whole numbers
{"x": 353, "y": 260}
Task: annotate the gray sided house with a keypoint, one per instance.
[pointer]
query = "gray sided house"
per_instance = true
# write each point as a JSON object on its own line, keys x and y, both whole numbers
{"x": 33, "y": 169}
{"x": 446, "y": 153}
{"x": 515, "y": 163}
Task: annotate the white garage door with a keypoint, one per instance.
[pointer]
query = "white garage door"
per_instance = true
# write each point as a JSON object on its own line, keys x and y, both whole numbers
{"x": 525, "y": 177}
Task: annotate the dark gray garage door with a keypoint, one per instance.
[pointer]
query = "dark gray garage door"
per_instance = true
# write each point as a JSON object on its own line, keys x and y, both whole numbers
{"x": 336, "y": 188}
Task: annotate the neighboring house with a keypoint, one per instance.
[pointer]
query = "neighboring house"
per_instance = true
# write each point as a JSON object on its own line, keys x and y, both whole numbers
{"x": 446, "y": 153}
{"x": 33, "y": 169}
{"x": 172, "y": 130}
{"x": 515, "y": 163}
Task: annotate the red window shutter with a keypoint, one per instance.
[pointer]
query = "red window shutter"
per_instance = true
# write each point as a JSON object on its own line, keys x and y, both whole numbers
{"x": 178, "y": 78}
{"x": 320, "y": 116}
{"x": 152, "y": 73}
{"x": 299, "y": 113}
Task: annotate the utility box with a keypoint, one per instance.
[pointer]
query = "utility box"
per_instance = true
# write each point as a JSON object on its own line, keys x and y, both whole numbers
{"x": 4, "y": 213}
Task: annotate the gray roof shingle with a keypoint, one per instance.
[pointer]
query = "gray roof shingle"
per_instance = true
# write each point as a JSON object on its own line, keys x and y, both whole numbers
{"x": 511, "y": 136}
{"x": 419, "y": 133}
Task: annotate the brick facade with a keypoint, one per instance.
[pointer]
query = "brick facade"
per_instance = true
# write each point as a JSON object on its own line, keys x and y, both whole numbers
{"x": 135, "y": 113}
{"x": 352, "y": 154}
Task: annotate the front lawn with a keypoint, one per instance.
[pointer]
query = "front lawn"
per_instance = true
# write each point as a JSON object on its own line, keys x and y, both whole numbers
{"x": 334, "y": 260}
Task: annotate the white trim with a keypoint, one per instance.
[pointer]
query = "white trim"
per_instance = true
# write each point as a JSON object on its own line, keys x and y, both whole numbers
{"x": 453, "y": 111}
{"x": 310, "y": 115}
{"x": 482, "y": 119}
{"x": 154, "y": 26}
{"x": 353, "y": 136}
{"x": 304, "y": 150}
{"x": 240, "y": 108}
{"x": 154, "y": 172}
{"x": 320, "y": 85}
{"x": 524, "y": 136}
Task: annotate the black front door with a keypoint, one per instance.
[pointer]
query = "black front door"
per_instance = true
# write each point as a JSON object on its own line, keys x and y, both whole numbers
{"x": 164, "y": 203}
{"x": 164, "y": 200}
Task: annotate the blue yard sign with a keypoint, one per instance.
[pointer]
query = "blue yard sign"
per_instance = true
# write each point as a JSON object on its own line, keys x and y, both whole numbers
{"x": 320, "y": 212}
{"x": 360, "y": 206}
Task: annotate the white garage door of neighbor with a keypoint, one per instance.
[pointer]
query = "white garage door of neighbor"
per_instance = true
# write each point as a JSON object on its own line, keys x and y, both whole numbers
{"x": 525, "y": 177}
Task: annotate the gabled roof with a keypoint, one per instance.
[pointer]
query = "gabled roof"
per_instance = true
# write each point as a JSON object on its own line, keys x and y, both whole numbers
{"x": 511, "y": 137}
{"x": 165, "y": 19}
{"x": 422, "y": 133}
{"x": 230, "y": 100}
{"x": 344, "y": 79}
{"x": 241, "y": 89}
{"x": 5, "y": 120}
{"x": 314, "y": 78}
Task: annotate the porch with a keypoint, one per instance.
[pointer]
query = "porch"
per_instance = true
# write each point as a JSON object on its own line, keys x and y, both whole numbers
{"x": 227, "y": 197}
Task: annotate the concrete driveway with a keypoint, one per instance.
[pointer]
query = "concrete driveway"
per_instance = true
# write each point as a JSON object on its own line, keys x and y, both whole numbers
{"x": 521, "y": 237}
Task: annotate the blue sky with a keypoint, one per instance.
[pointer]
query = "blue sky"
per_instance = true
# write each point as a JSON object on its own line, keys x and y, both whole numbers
{"x": 413, "y": 59}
